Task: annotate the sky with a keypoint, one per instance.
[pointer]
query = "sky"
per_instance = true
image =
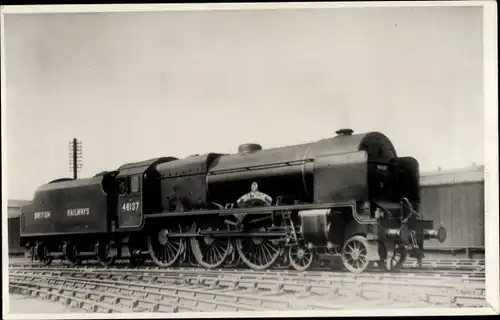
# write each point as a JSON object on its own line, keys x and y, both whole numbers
{"x": 135, "y": 86}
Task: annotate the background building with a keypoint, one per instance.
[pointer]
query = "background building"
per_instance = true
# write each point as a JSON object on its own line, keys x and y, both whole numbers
{"x": 455, "y": 199}
{"x": 13, "y": 211}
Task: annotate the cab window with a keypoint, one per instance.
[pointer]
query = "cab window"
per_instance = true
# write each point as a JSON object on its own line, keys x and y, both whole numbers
{"x": 134, "y": 184}
{"x": 123, "y": 186}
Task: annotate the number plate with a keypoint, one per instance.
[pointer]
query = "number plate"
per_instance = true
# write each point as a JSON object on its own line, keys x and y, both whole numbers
{"x": 131, "y": 206}
{"x": 130, "y": 212}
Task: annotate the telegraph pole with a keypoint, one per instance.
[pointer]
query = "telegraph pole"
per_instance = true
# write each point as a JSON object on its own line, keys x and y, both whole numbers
{"x": 75, "y": 157}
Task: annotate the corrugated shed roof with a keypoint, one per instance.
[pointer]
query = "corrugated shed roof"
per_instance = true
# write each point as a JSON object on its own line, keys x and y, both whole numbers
{"x": 464, "y": 175}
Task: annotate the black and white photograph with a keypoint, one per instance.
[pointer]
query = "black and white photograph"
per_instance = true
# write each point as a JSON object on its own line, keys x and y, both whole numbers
{"x": 250, "y": 160}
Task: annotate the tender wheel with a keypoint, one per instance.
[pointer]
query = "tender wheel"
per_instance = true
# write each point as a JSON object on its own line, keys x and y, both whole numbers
{"x": 43, "y": 255}
{"x": 72, "y": 254}
{"x": 165, "y": 251}
{"x": 300, "y": 257}
{"x": 257, "y": 253}
{"x": 103, "y": 254}
{"x": 210, "y": 252}
{"x": 398, "y": 257}
{"x": 355, "y": 254}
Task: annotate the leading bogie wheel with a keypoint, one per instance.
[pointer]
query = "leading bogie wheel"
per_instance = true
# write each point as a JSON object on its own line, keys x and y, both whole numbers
{"x": 355, "y": 254}
{"x": 300, "y": 257}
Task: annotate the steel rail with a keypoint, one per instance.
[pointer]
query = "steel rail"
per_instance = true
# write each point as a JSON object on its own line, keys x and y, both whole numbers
{"x": 287, "y": 285}
{"x": 51, "y": 292}
{"x": 458, "y": 264}
{"x": 404, "y": 272}
{"x": 450, "y": 266}
{"x": 261, "y": 277}
{"x": 326, "y": 290}
{"x": 180, "y": 293}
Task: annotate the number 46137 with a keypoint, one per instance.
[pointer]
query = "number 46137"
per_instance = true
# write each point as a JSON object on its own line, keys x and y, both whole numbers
{"x": 131, "y": 206}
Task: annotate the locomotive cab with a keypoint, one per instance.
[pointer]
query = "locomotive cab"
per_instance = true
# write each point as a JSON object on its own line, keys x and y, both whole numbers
{"x": 130, "y": 201}
{"x": 138, "y": 193}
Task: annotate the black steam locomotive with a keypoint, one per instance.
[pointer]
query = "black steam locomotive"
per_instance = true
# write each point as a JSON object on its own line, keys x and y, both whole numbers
{"x": 348, "y": 196}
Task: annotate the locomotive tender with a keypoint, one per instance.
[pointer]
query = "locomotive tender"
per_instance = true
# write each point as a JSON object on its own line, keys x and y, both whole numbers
{"x": 349, "y": 196}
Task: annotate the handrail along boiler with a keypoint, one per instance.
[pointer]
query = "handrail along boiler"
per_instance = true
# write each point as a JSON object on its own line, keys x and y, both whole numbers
{"x": 349, "y": 196}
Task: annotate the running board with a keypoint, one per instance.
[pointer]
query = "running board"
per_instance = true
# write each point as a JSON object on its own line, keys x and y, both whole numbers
{"x": 227, "y": 234}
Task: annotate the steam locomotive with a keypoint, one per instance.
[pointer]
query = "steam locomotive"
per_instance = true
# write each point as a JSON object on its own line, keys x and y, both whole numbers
{"x": 348, "y": 196}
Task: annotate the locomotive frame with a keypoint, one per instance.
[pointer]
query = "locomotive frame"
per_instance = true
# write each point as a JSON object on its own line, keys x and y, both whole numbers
{"x": 330, "y": 199}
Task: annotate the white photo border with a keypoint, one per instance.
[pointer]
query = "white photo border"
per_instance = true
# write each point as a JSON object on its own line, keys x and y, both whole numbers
{"x": 491, "y": 151}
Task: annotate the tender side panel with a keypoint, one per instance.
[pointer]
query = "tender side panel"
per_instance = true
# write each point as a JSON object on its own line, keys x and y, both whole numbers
{"x": 70, "y": 207}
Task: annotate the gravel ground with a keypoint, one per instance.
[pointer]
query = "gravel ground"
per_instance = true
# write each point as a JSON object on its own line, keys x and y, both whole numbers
{"x": 29, "y": 304}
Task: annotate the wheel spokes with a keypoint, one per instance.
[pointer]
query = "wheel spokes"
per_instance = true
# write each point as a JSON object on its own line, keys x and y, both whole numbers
{"x": 355, "y": 254}
{"x": 208, "y": 251}
{"x": 163, "y": 250}
{"x": 300, "y": 258}
{"x": 258, "y": 254}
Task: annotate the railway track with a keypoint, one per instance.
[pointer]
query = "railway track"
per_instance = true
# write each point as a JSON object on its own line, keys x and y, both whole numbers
{"x": 470, "y": 270}
{"x": 473, "y": 268}
{"x": 122, "y": 289}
